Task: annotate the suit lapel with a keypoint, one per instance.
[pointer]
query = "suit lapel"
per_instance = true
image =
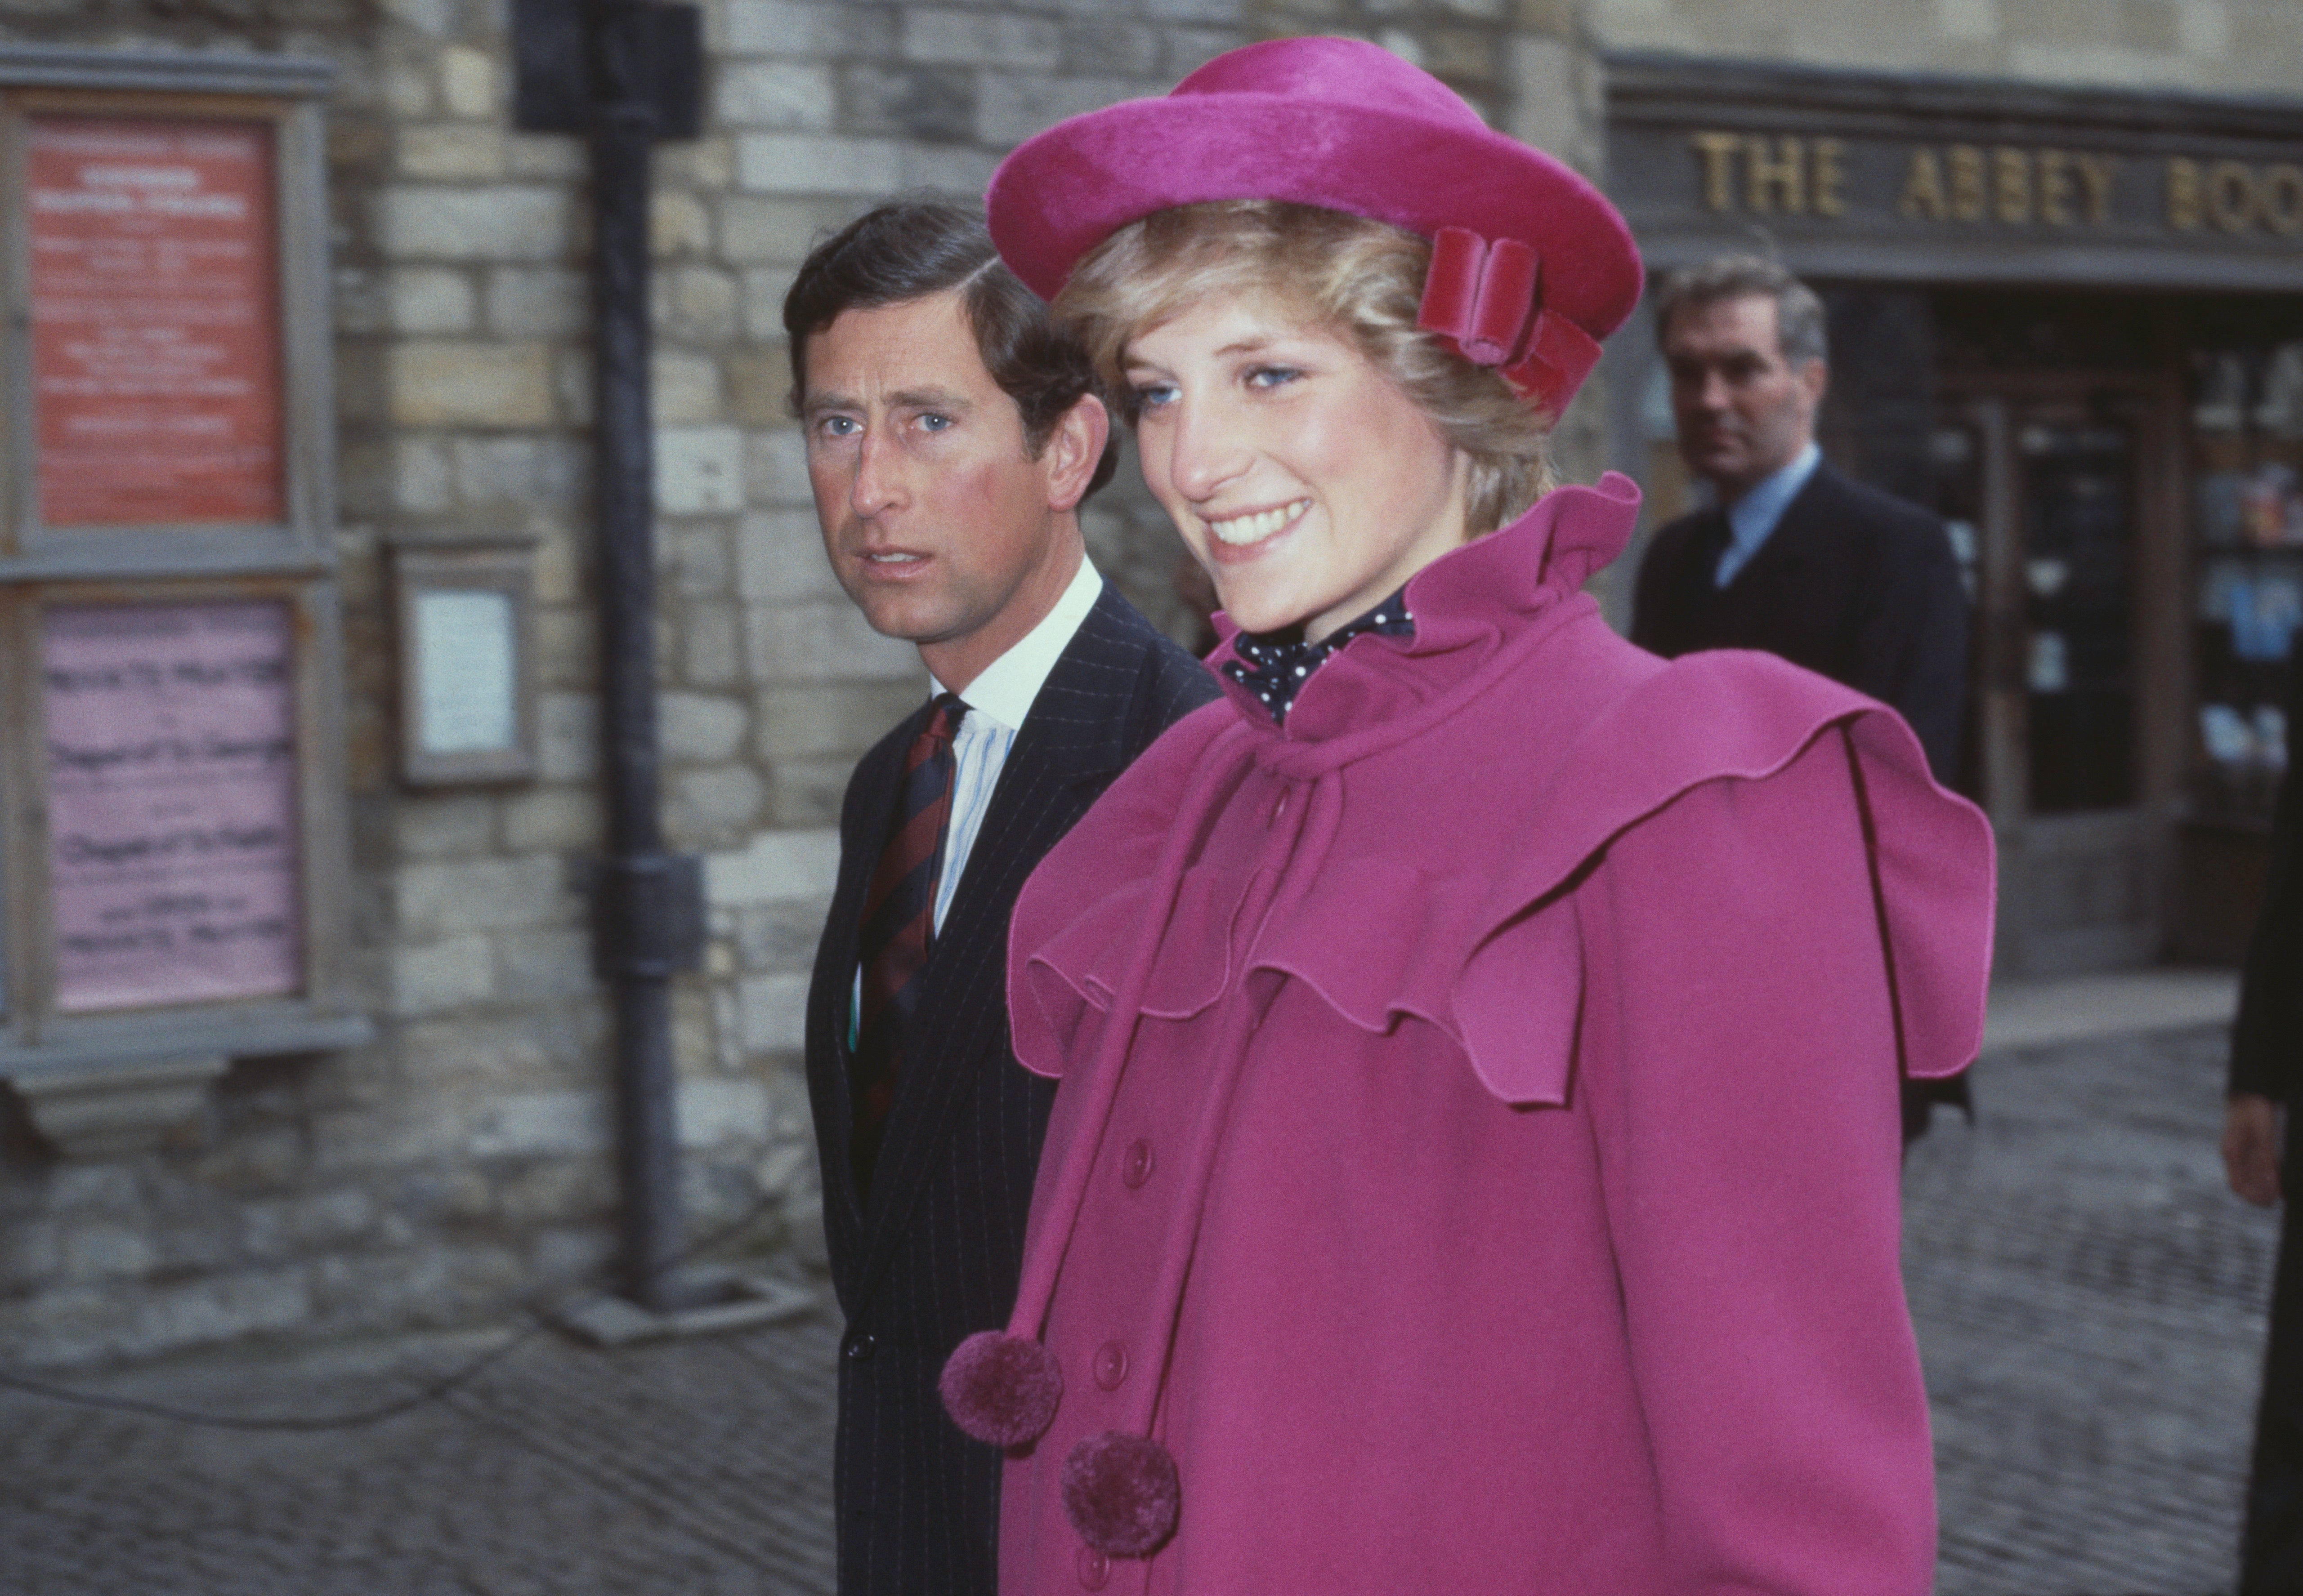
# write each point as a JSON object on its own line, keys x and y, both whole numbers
{"x": 863, "y": 834}
{"x": 1069, "y": 747}
{"x": 1792, "y": 544}
{"x": 1707, "y": 541}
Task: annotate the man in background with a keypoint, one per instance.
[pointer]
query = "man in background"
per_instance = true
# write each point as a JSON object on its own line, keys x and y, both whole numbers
{"x": 1792, "y": 558}
{"x": 2266, "y": 1074}
{"x": 952, "y": 433}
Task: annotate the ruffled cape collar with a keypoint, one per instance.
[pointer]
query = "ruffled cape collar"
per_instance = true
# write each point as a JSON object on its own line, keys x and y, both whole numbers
{"x": 1478, "y": 610}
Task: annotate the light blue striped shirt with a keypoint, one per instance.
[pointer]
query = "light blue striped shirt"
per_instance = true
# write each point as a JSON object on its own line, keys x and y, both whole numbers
{"x": 997, "y": 702}
{"x": 1751, "y": 519}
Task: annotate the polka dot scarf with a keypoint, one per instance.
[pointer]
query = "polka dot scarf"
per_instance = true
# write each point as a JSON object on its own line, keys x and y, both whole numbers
{"x": 1274, "y": 665}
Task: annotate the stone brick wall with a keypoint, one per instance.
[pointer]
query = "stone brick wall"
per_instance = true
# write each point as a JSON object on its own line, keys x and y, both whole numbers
{"x": 2224, "y": 46}
{"x": 462, "y": 1159}
{"x": 459, "y": 1160}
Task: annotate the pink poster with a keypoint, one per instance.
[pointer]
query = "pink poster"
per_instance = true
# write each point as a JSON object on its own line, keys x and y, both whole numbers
{"x": 171, "y": 803}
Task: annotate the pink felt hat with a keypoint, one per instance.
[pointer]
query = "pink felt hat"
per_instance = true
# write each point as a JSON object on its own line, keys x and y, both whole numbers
{"x": 1530, "y": 266}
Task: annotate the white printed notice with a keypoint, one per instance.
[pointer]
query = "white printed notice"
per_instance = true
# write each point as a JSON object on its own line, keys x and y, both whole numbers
{"x": 171, "y": 803}
{"x": 465, "y": 657}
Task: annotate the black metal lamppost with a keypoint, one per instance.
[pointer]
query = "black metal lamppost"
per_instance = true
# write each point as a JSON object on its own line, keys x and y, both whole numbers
{"x": 625, "y": 73}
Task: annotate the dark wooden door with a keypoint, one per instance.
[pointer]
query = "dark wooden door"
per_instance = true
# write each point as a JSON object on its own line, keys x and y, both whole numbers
{"x": 2051, "y": 488}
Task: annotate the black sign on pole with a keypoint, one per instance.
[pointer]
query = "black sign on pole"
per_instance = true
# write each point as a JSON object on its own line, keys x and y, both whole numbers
{"x": 553, "y": 86}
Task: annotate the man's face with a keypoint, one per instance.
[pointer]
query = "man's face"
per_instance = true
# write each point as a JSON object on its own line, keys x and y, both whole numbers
{"x": 937, "y": 522}
{"x": 1743, "y": 410}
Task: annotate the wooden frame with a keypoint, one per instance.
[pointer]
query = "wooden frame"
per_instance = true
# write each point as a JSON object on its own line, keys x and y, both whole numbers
{"x": 491, "y": 742}
{"x": 299, "y": 540}
{"x": 36, "y": 1028}
{"x": 1996, "y": 406}
{"x": 46, "y": 1051}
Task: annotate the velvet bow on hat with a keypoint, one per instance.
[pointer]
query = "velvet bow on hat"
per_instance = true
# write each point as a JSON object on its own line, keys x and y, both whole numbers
{"x": 1530, "y": 266}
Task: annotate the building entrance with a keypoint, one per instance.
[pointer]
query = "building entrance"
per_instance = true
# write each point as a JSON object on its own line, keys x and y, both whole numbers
{"x": 2071, "y": 320}
{"x": 2045, "y": 482}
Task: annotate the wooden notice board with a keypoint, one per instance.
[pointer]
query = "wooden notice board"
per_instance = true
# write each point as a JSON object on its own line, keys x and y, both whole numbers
{"x": 171, "y": 798}
{"x": 174, "y": 880}
{"x": 154, "y": 320}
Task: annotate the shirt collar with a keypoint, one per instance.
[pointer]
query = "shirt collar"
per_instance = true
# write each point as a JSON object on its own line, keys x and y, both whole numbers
{"x": 1753, "y": 516}
{"x": 1004, "y": 691}
{"x": 1274, "y": 666}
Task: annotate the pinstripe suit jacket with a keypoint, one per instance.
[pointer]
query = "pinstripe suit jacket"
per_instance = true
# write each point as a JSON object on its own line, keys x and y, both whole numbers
{"x": 933, "y": 1257}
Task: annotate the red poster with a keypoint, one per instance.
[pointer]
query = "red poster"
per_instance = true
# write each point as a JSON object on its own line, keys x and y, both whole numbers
{"x": 171, "y": 803}
{"x": 155, "y": 321}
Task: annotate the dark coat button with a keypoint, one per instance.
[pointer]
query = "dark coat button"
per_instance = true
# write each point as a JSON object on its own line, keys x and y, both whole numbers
{"x": 1110, "y": 1366}
{"x": 859, "y": 1346}
{"x": 1136, "y": 1167}
{"x": 1094, "y": 1568}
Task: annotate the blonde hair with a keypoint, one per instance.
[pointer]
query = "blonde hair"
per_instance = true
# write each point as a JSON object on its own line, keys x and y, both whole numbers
{"x": 1360, "y": 277}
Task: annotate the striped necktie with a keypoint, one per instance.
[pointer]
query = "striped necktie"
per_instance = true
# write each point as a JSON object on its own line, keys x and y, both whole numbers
{"x": 900, "y": 925}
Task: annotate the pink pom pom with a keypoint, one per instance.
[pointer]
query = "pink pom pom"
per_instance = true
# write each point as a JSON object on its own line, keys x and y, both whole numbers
{"x": 1002, "y": 1389}
{"x": 1121, "y": 1493}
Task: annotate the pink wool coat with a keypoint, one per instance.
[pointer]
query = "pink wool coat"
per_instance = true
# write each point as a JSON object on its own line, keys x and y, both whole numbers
{"x": 1495, "y": 1190}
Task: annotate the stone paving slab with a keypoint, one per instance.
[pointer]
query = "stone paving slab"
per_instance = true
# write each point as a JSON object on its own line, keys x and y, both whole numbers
{"x": 2089, "y": 1303}
{"x": 2113, "y": 1003}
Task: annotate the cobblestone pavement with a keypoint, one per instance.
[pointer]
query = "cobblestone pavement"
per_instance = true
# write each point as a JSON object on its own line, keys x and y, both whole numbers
{"x": 2089, "y": 1308}
{"x": 695, "y": 1468}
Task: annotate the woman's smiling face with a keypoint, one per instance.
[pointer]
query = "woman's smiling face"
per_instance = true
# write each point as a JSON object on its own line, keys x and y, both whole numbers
{"x": 1299, "y": 474}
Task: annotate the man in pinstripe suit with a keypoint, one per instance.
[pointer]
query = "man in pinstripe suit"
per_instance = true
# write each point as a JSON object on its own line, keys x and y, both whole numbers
{"x": 952, "y": 435}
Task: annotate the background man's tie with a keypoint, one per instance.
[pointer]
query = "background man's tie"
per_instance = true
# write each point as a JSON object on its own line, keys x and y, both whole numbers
{"x": 898, "y": 926}
{"x": 1710, "y": 547}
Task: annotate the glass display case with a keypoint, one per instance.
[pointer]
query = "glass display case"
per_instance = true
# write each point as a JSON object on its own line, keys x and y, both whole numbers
{"x": 2246, "y": 537}
{"x": 2037, "y": 494}
{"x": 2075, "y": 481}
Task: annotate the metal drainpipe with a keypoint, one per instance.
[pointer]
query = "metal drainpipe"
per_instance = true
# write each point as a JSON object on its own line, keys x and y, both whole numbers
{"x": 647, "y": 902}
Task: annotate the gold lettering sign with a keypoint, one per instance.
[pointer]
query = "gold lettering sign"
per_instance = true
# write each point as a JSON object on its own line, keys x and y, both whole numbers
{"x": 2055, "y": 187}
{"x": 1829, "y": 177}
{"x": 1966, "y": 163}
{"x": 1787, "y": 175}
{"x": 2283, "y": 199}
{"x": 2186, "y": 196}
{"x": 1718, "y": 151}
{"x": 2001, "y": 185}
{"x": 1776, "y": 181}
{"x": 2010, "y": 186}
{"x": 1923, "y": 197}
{"x": 2235, "y": 197}
{"x": 2058, "y": 187}
{"x": 2096, "y": 172}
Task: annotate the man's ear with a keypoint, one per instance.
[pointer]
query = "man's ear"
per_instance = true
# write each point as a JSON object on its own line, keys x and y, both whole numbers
{"x": 1073, "y": 450}
{"x": 1815, "y": 376}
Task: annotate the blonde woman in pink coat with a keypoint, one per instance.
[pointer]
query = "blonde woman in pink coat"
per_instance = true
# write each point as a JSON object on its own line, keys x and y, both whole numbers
{"x": 1474, "y": 1168}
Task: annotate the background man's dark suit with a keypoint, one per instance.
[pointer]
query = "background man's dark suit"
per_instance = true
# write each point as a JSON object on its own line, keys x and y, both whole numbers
{"x": 933, "y": 1257}
{"x": 2267, "y": 1061}
{"x": 1853, "y": 584}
